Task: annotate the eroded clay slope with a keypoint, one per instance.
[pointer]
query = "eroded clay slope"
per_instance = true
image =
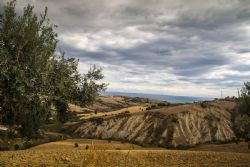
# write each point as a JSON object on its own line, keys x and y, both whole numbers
{"x": 173, "y": 126}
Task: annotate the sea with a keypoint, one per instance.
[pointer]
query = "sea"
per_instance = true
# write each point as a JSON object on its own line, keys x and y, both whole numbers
{"x": 168, "y": 98}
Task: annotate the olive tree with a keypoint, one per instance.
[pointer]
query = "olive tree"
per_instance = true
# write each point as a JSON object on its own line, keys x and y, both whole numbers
{"x": 242, "y": 117}
{"x": 33, "y": 77}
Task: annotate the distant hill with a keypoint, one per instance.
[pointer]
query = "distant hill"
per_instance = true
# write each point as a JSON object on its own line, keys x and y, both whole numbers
{"x": 159, "y": 123}
{"x": 169, "y": 98}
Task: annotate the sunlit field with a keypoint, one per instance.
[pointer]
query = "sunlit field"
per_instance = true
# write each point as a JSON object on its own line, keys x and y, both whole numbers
{"x": 115, "y": 154}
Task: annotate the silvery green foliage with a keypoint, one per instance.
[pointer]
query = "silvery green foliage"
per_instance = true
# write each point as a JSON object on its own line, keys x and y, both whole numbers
{"x": 32, "y": 77}
{"x": 242, "y": 119}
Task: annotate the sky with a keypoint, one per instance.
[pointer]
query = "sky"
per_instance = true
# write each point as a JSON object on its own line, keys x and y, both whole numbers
{"x": 174, "y": 47}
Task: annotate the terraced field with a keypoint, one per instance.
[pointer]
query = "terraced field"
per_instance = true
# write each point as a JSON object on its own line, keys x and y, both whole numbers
{"x": 101, "y": 154}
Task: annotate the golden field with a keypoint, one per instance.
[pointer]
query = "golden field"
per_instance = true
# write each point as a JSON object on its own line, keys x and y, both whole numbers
{"x": 115, "y": 154}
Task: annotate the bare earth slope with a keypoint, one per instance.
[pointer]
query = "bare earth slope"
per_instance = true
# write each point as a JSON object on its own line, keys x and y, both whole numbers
{"x": 180, "y": 125}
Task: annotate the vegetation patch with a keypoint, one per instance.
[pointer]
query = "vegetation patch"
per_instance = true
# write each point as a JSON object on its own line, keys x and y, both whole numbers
{"x": 34, "y": 80}
{"x": 97, "y": 120}
{"x": 205, "y": 104}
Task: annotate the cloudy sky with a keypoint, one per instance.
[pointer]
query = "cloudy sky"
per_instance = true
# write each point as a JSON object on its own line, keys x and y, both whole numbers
{"x": 176, "y": 47}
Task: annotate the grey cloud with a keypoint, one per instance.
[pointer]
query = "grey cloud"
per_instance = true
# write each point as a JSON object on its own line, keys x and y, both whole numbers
{"x": 191, "y": 38}
{"x": 241, "y": 67}
{"x": 228, "y": 80}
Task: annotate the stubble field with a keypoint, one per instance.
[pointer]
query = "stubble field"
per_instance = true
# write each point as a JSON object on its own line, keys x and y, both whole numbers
{"x": 115, "y": 154}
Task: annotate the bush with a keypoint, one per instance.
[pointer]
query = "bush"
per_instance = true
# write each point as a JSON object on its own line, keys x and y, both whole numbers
{"x": 154, "y": 106}
{"x": 241, "y": 126}
{"x": 3, "y": 146}
{"x": 27, "y": 144}
{"x": 124, "y": 114}
{"x": 235, "y": 140}
{"x": 16, "y": 147}
{"x": 204, "y": 104}
{"x": 242, "y": 117}
{"x": 76, "y": 145}
{"x": 57, "y": 126}
{"x": 162, "y": 104}
{"x": 97, "y": 120}
{"x": 174, "y": 119}
{"x": 183, "y": 147}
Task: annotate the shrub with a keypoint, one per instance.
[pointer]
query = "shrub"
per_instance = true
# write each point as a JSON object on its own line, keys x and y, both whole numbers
{"x": 162, "y": 104}
{"x": 3, "y": 146}
{"x": 183, "y": 147}
{"x": 76, "y": 145}
{"x": 124, "y": 114}
{"x": 153, "y": 106}
{"x": 174, "y": 119}
{"x": 241, "y": 126}
{"x": 27, "y": 144}
{"x": 56, "y": 138}
{"x": 16, "y": 147}
{"x": 127, "y": 112}
{"x": 97, "y": 120}
{"x": 204, "y": 104}
{"x": 242, "y": 118}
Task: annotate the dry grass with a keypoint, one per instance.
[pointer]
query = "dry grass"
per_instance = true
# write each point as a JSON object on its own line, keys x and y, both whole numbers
{"x": 64, "y": 154}
{"x": 215, "y": 105}
{"x": 111, "y": 99}
{"x": 98, "y": 145}
{"x": 117, "y": 158}
{"x": 178, "y": 109}
{"x": 100, "y": 103}
{"x": 222, "y": 104}
{"x": 75, "y": 108}
{"x": 132, "y": 110}
{"x": 231, "y": 147}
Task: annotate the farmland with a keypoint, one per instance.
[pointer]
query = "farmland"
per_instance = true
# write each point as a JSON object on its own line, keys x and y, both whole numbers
{"x": 112, "y": 153}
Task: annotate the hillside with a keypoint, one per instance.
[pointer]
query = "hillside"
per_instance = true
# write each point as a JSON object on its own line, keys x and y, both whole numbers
{"x": 112, "y": 103}
{"x": 65, "y": 154}
{"x": 162, "y": 125}
{"x": 131, "y": 134}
